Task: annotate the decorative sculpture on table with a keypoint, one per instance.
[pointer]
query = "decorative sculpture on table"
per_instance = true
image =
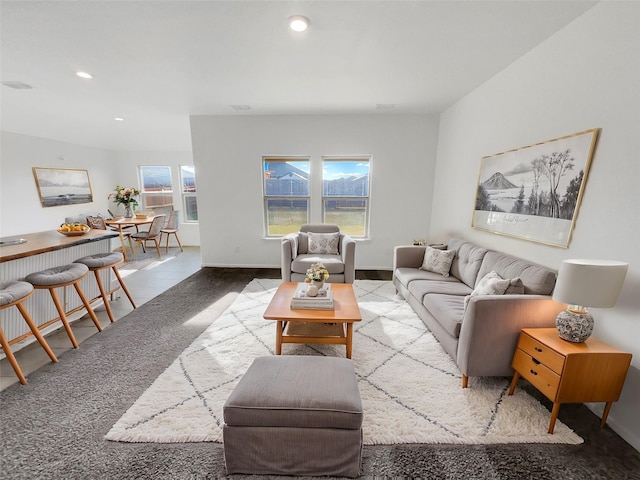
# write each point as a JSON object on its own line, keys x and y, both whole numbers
{"x": 125, "y": 196}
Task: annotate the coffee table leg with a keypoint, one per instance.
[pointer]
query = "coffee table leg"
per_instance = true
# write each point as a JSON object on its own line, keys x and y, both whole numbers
{"x": 349, "y": 338}
{"x": 279, "y": 337}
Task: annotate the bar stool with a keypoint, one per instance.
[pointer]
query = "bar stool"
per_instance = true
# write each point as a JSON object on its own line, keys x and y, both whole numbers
{"x": 101, "y": 261}
{"x": 14, "y": 293}
{"x": 61, "y": 277}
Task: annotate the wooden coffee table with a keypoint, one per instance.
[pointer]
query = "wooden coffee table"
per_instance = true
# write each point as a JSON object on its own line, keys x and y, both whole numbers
{"x": 314, "y": 326}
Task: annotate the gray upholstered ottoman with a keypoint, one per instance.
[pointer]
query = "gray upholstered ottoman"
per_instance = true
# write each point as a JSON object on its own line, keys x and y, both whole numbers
{"x": 295, "y": 415}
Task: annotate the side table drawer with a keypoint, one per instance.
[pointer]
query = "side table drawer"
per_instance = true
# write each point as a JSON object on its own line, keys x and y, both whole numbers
{"x": 542, "y": 353}
{"x": 541, "y": 377}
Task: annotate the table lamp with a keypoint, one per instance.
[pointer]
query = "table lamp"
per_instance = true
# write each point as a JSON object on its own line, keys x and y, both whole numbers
{"x": 586, "y": 283}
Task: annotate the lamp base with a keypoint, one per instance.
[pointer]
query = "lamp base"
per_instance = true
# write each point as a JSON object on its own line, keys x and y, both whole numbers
{"x": 574, "y": 327}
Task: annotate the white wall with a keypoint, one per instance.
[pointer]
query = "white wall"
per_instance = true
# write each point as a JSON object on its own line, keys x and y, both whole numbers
{"x": 585, "y": 76}
{"x": 20, "y": 208}
{"x": 228, "y": 157}
{"x": 127, "y": 166}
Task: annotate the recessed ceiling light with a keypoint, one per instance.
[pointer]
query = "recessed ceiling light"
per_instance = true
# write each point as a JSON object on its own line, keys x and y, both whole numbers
{"x": 118, "y": 119}
{"x": 84, "y": 75}
{"x": 298, "y": 23}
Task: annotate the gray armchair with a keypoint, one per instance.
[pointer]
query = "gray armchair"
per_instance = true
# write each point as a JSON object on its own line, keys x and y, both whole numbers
{"x": 322, "y": 243}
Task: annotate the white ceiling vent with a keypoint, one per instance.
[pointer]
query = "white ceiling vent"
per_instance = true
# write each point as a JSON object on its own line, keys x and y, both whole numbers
{"x": 17, "y": 85}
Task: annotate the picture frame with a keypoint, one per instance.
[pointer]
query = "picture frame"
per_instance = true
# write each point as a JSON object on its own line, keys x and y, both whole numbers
{"x": 534, "y": 192}
{"x": 63, "y": 186}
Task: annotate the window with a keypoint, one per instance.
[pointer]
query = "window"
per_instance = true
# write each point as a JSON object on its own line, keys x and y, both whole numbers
{"x": 157, "y": 191}
{"x": 189, "y": 201}
{"x": 345, "y": 194}
{"x": 286, "y": 194}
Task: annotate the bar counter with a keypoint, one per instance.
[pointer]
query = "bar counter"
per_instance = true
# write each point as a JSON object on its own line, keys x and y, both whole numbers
{"x": 49, "y": 241}
{"x": 41, "y": 251}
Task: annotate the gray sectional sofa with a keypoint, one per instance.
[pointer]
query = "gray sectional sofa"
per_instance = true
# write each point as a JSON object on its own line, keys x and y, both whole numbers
{"x": 482, "y": 337}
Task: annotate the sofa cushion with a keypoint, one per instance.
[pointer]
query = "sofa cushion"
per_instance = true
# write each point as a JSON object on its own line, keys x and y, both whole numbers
{"x": 516, "y": 287}
{"x": 467, "y": 262}
{"x": 490, "y": 284}
{"x": 420, "y": 288}
{"x": 406, "y": 275}
{"x": 448, "y": 311}
{"x": 324, "y": 243}
{"x": 537, "y": 280}
{"x": 437, "y": 261}
{"x": 333, "y": 263}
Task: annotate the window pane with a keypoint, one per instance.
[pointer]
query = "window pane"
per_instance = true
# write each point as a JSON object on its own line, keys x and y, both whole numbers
{"x": 190, "y": 208}
{"x": 188, "y": 174}
{"x": 342, "y": 178}
{"x": 286, "y": 178}
{"x": 350, "y": 215}
{"x": 157, "y": 201}
{"x": 155, "y": 179}
{"x": 285, "y": 215}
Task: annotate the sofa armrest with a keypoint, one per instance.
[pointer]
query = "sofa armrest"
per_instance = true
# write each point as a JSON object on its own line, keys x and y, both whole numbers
{"x": 491, "y": 326}
{"x": 348, "y": 254}
{"x": 288, "y": 246}
{"x": 408, "y": 256}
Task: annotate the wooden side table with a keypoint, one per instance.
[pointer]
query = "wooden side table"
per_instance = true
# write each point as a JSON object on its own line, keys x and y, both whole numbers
{"x": 567, "y": 372}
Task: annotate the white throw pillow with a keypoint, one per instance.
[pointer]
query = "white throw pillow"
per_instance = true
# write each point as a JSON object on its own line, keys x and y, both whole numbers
{"x": 438, "y": 261}
{"x": 324, "y": 243}
{"x": 491, "y": 284}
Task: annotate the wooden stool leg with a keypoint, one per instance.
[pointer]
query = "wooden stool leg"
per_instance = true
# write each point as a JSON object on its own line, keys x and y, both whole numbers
{"x": 63, "y": 317}
{"x": 87, "y": 305}
{"x": 103, "y": 293}
{"x": 123, "y": 286}
{"x": 36, "y": 332}
{"x": 178, "y": 240}
{"x": 12, "y": 359}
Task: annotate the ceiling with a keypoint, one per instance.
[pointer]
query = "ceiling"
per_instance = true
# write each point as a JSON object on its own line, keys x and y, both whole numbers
{"x": 155, "y": 63}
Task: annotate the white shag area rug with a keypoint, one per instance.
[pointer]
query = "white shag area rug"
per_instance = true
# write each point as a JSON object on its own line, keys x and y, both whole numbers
{"x": 410, "y": 387}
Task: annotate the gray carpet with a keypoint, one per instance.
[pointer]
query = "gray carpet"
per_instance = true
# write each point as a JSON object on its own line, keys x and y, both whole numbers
{"x": 54, "y": 427}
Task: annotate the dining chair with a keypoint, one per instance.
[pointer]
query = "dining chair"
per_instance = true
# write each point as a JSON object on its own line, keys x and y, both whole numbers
{"x": 171, "y": 228}
{"x": 98, "y": 223}
{"x": 154, "y": 234}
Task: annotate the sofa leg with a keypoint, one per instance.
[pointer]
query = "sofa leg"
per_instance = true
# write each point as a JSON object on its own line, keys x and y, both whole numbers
{"x": 465, "y": 381}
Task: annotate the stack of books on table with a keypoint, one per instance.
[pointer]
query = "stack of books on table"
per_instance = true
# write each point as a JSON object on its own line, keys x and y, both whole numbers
{"x": 322, "y": 301}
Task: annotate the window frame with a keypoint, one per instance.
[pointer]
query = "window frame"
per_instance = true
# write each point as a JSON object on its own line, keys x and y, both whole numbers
{"x": 346, "y": 198}
{"x": 267, "y": 198}
{"x": 145, "y": 195}
{"x": 185, "y": 194}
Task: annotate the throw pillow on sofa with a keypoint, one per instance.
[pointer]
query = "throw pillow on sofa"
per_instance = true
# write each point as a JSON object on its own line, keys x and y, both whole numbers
{"x": 491, "y": 284}
{"x": 438, "y": 261}
{"x": 324, "y": 243}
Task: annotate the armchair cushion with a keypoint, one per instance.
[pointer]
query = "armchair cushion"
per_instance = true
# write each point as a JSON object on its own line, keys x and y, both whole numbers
{"x": 324, "y": 243}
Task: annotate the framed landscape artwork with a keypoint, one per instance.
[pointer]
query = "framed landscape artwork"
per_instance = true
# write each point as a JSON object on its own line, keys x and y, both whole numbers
{"x": 534, "y": 192}
{"x": 62, "y": 186}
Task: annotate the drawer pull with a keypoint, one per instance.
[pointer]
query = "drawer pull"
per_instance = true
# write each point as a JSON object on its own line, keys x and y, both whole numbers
{"x": 537, "y": 362}
{"x": 538, "y": 349}
{"x": 533, "y": 372}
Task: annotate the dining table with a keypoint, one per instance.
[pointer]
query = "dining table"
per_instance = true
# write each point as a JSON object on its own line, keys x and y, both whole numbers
{"x": 122, "y": 222}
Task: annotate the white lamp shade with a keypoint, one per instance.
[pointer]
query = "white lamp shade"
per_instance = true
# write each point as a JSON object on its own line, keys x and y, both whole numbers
{"x": 590, "y": 283}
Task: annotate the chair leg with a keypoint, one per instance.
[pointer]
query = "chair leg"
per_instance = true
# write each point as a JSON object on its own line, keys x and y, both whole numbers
{"x": 166, "y": 250}
{"x": 36, "y": 332}
{"x": 177, "y": 240}
{"x": 123, "y": 286}
{"x": 155, "y": 240}
{"x": 12, "y": 359}
{"x": 104, "y": 296}
{"x": 87, "y": 305}
{"x": 63, "y": 317}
